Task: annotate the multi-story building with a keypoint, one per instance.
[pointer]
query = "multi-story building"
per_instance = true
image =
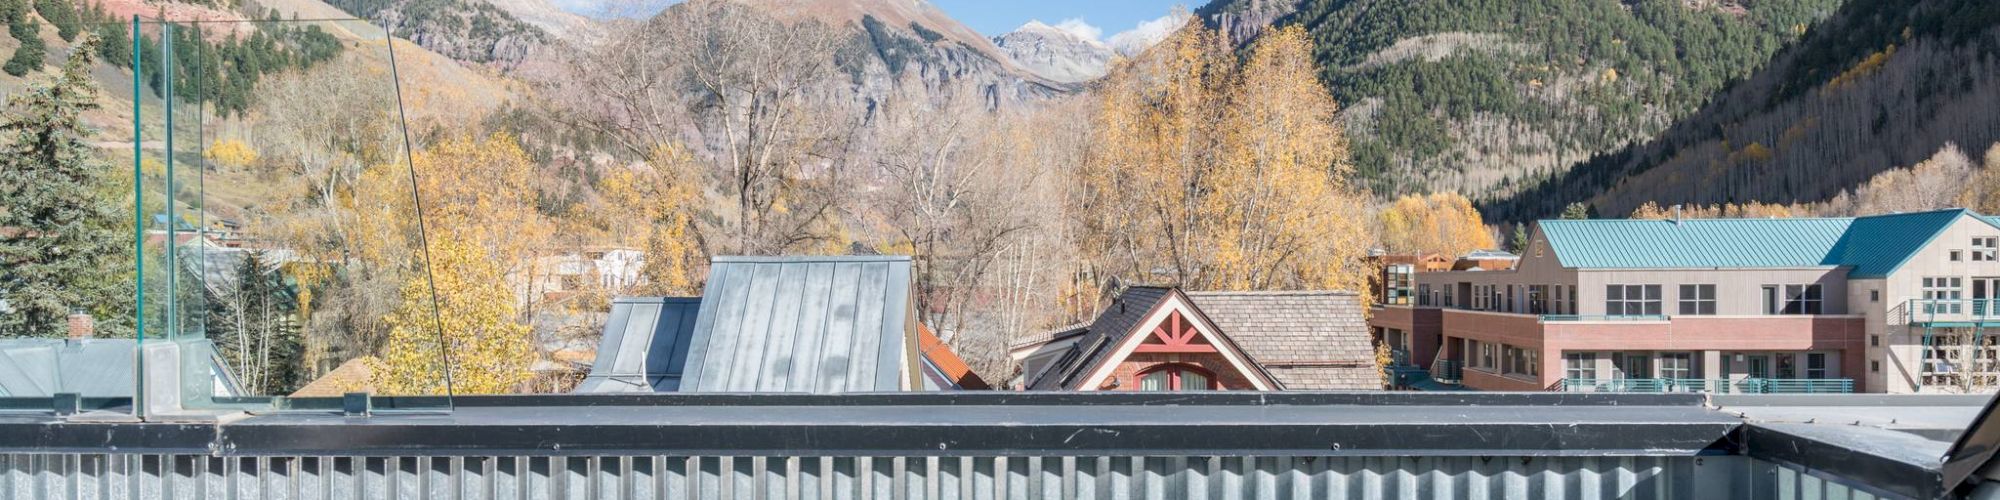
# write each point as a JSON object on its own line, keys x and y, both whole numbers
{"x": 1891, "y": 303}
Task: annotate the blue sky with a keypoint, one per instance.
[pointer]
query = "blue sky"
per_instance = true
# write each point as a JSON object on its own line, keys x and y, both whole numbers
{"x": 993, "y": 17}
{"x": 1097, "y": 19}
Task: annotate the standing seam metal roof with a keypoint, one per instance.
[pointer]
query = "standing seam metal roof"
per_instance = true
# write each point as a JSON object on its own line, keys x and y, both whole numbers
{"x": 1873, "y": 246}
{"x": 801, "y": 324}
{"x": 645, "y": 345}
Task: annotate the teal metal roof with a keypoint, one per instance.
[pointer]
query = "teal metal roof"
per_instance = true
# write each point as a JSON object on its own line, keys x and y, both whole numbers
{"x": 1873, "y": 246}
{"x": 1877, "y": 245}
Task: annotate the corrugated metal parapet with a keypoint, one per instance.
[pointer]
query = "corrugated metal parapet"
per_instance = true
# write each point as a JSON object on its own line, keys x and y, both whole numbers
{"x": 916, "y": 477}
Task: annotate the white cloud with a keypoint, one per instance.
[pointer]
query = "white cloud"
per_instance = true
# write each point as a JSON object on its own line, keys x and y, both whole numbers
{"x": 1076, "y": 26}
{"x": 607, "y": 9}
{"x": 1138, "y": 39}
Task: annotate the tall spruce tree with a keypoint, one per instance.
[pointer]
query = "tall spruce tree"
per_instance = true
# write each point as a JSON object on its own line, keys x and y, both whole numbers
{"x": 61, "y": 243}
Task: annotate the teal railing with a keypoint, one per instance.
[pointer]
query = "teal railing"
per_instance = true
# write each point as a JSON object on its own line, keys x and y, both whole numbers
{"x": 1600, "y": 317}
{"x": 1733, "y": 386}
{"x": 1447, "y": 371}
{"x": 1399, "y": 357}
{"x": 1950, "y": 310}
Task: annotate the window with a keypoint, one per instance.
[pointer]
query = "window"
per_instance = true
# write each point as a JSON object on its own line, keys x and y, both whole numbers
{"x": 1538, "y": 299}
{"x": 1556, "y": 301}
{"x": 1874, "y": 295}
{"x": 1874, "y": 341}
{"x": 1815, "y": 365}
{"x": 1633, "y": 365}
{"x": 1942, "y": 295}
{"x": 1518, "y": 361}
{"x": 1771, "y": 303}
{"x": 1676, "y": 365}
{"x": 1580, "y": 365}
{"x": 1447, "y": 296}
{"x": 1698, "y": 300}
{"x": 1424, "y": 295}
{"x": 1479, "y": 297}
{"x": 1175, "y": 377}
{"x": 1802, "y": 299}
{"x": 1955, "y": 255}
{"x": 1396, "y": 284}
{"x": 1875, "y": 366}
{"x": 1983, "y": 248}
{"x": 1632, "y": 300}
{"x": 1486, "y": 356}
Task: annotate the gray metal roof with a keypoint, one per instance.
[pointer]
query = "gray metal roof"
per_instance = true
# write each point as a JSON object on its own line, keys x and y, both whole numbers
{"x": 645, "y": 345}
{"x": 91, "y": 368}
{"x": 803, "y": 324}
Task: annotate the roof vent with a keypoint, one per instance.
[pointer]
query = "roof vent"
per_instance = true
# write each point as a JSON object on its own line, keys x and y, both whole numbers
{"x": 1677, "y": 215}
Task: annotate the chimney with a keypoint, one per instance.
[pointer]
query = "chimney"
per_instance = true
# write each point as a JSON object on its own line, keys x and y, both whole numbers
{"x": 81, "y": 325}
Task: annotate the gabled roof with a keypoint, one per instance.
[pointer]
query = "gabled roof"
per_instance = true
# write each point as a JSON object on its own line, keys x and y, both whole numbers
{"x": 1307, "y": 340}
{"x": 1878, "y": 245}
{"x": 1873, "y": 246}
{"x": 644, "y": 347}
{"x": 1302, "y": 340}
{"x": 1117, "y": 320}
{"x": 803, "y": 324}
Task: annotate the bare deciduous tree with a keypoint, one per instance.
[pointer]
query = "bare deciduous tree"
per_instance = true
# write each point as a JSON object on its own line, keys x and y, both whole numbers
{"x": 760, "y": 99}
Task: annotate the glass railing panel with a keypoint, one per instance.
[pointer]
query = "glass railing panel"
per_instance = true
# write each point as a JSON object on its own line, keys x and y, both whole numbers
{"x": 67, "y": 232}
{"x": 286, "y": 255}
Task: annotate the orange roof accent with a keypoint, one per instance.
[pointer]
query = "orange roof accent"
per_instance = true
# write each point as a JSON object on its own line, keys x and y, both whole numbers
{"x": 933, "y": 349}
{"x": 355, "y": 375}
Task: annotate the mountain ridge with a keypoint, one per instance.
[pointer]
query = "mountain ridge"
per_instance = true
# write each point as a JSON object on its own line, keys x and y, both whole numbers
{"x": 1055, "y": 53}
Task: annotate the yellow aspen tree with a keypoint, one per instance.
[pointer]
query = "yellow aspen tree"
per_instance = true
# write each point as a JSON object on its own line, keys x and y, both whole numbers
{"x": 472, "y": 324}
{"x": 662, "y": 195}
{"x": 1443, "y": 223}
{"x": 1212, "y": 174}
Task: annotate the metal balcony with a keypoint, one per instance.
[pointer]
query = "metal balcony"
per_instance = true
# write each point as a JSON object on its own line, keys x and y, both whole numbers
{"x": 1713, "y": 386}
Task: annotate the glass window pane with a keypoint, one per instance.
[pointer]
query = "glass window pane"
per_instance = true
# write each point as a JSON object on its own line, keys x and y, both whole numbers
{"x": 1156, "y": 381}
{"x": 1193, "y": 381}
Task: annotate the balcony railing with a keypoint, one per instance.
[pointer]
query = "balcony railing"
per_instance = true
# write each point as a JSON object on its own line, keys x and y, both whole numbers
{"x": 1447, "y": 371}
{"x": 1399, "y": 357}
{"x": 1717, "y": 386}
{"x": 1550, "y": 318}
{"x": 1918, "y": 311}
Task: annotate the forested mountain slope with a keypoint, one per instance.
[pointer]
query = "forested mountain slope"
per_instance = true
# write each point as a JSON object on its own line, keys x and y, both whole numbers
{"x": 1474, "y": 95}
{"x": 1882, "y": 83}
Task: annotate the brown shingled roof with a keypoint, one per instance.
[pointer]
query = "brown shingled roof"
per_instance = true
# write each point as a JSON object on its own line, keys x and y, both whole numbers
{"x": 1308, "y": 340}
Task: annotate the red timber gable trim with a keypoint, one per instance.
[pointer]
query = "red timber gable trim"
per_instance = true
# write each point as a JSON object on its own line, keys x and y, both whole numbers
{"x": 1175, "y": 335}
{"x": 1175, "y": 327}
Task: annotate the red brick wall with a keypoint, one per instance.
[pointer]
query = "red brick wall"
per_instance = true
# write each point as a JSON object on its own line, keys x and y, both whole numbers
{"x": 1227, "y": 377}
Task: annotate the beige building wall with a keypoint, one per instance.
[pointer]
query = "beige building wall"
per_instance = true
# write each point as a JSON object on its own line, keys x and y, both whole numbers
{"x": 1900, "y": 348}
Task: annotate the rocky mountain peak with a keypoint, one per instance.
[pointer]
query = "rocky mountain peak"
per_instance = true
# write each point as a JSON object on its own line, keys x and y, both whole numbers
{"x": 1055, "y": 53}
